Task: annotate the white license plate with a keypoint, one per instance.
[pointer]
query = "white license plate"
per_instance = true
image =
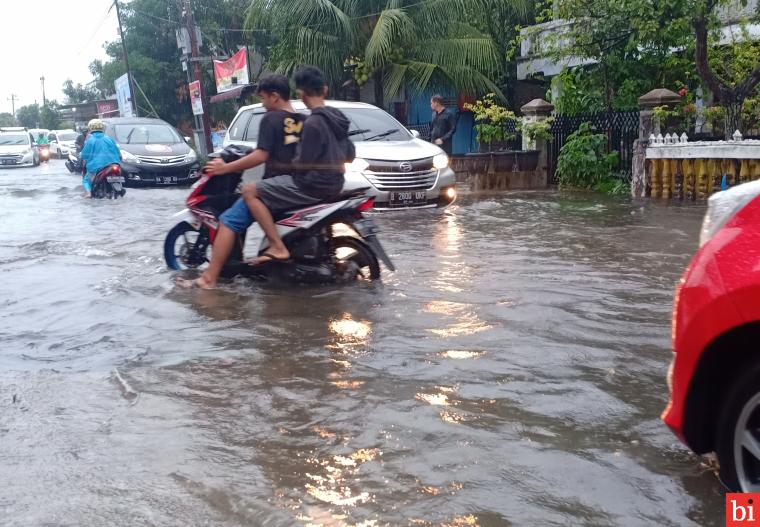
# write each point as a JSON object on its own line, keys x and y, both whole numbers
{"x": 115, "y": 179}
{"x": 406, "y": 198}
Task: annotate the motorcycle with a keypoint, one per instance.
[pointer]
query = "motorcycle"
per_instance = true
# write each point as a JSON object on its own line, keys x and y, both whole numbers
{"x": 74, "y": 164}
{"x": 329, "y": 242}
{"x": 44, "y": 152}
{"x": 108, "y": 183}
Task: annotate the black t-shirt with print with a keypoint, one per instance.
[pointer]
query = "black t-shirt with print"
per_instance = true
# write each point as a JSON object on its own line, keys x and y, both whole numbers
{"x": 279, "y": 134}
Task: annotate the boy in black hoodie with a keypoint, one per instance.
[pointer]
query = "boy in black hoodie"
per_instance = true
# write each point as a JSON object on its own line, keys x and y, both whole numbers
{"x": 319, "y": 165}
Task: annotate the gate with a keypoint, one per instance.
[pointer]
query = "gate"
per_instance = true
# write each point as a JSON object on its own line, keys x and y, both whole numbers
{"x": 621, "y": 129}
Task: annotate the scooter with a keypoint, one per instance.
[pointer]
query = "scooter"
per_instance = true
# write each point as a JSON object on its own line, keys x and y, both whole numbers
{"x": 108, "y": 183}
{"x": 74, "y": 164}
{"x": 329, "y": 242}
{"x": 44, "y": 151}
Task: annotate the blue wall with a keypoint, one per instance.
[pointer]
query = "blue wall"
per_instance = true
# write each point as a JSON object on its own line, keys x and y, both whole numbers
{"x": 420, "y": 112}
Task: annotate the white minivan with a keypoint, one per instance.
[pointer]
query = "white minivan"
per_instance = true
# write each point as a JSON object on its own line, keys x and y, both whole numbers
{"x": 401, "y": 170}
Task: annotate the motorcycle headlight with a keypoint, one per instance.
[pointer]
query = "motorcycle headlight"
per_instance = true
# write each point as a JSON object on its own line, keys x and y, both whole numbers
{"x": 128, "y": 157}
{"x": 357, "y": 165}
{"x": 192, "y": 156}
{"x": 441, "y": 161}
{"x": 723, "y": 206}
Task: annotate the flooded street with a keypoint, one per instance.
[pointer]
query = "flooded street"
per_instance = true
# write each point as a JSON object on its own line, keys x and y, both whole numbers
{"x": 511, "y": 372}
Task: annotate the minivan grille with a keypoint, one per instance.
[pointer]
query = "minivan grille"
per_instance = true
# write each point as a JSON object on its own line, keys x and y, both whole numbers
{"x": 398, "y": 175}
{"x": 161, "y": 160}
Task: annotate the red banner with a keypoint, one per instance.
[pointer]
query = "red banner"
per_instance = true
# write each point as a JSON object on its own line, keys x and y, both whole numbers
{"x": 231, "y": 73}
{"x": 107, "y": 108}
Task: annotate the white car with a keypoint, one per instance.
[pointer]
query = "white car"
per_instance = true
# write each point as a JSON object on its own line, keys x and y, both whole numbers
{"x": 62, "y": 142}
{"x": 401, "y": 170}
{"x": 17, "y": 148}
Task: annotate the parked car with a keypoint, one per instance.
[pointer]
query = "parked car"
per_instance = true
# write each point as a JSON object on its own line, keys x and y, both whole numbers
{"x": 18, "y": 147}
{"x": 714, "y": 378}
{"x": 62, "y": 142}
{"x": 152, "y": 152}
{"x": 402, "y": 170}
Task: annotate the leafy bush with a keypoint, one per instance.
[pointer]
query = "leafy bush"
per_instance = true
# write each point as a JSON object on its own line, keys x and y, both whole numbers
{"x": 537, "y": 129}
{"x": 491, "y": 119}
{"x": 584, "y": 161}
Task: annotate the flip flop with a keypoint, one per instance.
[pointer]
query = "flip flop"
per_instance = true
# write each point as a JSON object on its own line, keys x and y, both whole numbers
{"x": 272, "y": 258}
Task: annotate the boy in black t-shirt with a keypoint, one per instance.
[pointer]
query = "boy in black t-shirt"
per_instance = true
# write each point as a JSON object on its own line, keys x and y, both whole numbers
{"x": 279, "y": 135}
{"x": 324, "y": 150}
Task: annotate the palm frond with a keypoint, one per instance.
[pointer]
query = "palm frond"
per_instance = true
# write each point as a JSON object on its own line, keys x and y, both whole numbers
{"x": 478, "y": 53}
{"x": 391, "y": 26}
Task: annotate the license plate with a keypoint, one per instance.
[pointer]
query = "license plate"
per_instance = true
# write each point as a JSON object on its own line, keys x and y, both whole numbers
{"x": 165, "y": 180}
{"x": 9, "y": 162}
{"x": 115, "y": 179}
{"x": 366, "y": 227}
{"x": 407, "y": 198}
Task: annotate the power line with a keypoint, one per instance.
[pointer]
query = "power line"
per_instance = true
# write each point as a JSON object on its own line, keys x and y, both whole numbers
{"x": 97, "y": 30}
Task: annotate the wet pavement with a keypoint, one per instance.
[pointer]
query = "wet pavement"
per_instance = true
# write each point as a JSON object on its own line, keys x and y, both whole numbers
{"x": 511, "y": 372}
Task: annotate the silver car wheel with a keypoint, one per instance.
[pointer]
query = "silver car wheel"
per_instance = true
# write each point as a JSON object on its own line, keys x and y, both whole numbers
{"x": 747, "y": 446}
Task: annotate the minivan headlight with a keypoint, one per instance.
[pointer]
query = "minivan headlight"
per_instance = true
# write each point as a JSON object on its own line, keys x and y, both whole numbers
{"x": 723, "y": 206}
{"x": 192, "y": 156}
{"x": 128, "y": 157}
{"x": 441, "y": 161}
{"x": 357, "y": 165}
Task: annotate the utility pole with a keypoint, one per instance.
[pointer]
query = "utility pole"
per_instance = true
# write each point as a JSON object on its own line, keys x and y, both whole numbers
{"x": 204, "y": 121}
{"x": 132, "y": 95}
{"x": 13, "y": 98}
{"x": 44, "y": 100}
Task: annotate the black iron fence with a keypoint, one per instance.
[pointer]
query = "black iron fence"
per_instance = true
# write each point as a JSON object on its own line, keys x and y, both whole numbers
{"x": 621, "y": 129}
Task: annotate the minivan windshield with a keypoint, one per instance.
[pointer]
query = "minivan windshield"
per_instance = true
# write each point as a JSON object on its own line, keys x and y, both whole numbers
{"x": 67, "y": 136}
{"x": 144, "y": 134}
{"x": 373, "y": 124}
{"x": 8, "y": 139}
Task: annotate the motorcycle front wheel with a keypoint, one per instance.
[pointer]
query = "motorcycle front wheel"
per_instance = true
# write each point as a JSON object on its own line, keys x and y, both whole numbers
{"x": 186, "y": 247}
{"x": 354, "y": 259}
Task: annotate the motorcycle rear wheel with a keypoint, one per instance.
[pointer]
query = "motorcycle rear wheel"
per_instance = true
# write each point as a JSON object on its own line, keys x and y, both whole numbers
{"x": 354, "y": 259}
{"x": 186, "y": 247}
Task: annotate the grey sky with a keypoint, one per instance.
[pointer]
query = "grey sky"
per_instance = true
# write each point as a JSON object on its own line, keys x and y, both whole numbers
{"x": 54, "y": 38}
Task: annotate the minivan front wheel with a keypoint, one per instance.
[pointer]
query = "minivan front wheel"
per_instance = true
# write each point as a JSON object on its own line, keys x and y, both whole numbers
{"x": 738, "y": 434}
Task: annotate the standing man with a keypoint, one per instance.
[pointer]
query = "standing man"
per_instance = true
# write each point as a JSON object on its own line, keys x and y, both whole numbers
{"x": 444, "y": 124}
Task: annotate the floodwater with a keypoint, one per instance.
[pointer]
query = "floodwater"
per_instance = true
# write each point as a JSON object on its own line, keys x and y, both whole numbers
{"x": 511, "y": 372}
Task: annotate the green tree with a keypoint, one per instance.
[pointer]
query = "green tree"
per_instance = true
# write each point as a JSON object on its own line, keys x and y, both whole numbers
{"x": 50, "y": 117}
{"x": 399, "y": 43}
{"x": 732, "y": 73}
{"x": 29, "y": 115}
{"x": 76, "y": 94}
{"x": 7, "y": 119}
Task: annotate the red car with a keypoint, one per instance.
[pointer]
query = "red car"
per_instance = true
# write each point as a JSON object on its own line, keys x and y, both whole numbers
{"x": 714, "y": 379}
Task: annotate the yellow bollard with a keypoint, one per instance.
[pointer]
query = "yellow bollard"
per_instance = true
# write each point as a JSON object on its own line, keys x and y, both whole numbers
{"x": 754, "y": 169}
{"x": 744, "y": 174}
{"x": 656, "y": 177}
{"x": 666, "y": 178}
{"x": 689, "y": 183}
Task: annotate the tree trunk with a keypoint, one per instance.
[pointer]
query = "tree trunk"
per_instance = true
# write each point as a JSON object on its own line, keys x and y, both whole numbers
{"x": 733, "y": 110}
{"x": 377, "y": 77}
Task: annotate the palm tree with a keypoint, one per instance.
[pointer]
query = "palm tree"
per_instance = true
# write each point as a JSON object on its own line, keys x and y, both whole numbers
{"x": 413, "y": 44}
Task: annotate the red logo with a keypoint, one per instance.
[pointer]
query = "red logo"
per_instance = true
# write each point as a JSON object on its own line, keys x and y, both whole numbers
{"x": 743, "y": 510}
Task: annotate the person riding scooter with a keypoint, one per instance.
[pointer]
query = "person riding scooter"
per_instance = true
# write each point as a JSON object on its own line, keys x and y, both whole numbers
{"x": 99, "y": 151}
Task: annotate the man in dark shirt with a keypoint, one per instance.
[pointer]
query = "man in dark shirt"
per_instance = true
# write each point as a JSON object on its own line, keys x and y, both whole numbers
{"x": 324, "y": 150}
{"x": 279, "y": 135}
{"x": 444, "y": 124}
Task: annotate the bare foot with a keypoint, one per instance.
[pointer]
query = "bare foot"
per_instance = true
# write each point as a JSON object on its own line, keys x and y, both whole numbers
{"x": 271, "y": 255}
{"x": 87, "y": 195}
{"x": 201, "y": 283}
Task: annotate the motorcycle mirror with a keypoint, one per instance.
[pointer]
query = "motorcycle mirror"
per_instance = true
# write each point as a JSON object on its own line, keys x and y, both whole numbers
{"x": 415, "y": 134}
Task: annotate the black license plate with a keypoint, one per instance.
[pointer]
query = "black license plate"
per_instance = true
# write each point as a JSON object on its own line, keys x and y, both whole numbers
{"x": 407, "y": 198}
{"x": 166, "y": 180}
{"x": 9, "y": 161}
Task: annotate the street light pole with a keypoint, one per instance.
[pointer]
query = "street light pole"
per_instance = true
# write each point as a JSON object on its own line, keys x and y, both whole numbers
{"x": 44, "y": 100}
{"x": 205, "y": 125}
{"x": 13, "y": 98}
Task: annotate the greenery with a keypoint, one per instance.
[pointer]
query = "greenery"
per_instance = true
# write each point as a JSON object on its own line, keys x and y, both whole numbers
{"x": 583, "y": 160}
{"x": 537, "y": 129}
{"x": 491, "y": 120}
{"x": 398, "y": 44}
{"x": 76, "y": 94}
{"x": 7, "y": 119}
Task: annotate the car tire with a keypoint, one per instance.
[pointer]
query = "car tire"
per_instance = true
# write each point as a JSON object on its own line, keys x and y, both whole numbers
{"x": 738, "y": 433}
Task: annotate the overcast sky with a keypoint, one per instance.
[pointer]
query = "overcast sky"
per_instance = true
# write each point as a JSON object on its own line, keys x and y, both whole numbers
{"x": 54, "y": 38}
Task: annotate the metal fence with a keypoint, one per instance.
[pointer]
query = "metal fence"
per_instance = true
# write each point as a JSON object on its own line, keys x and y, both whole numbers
{"x": 515, "y": 143}
{"x": 621, "y": 128}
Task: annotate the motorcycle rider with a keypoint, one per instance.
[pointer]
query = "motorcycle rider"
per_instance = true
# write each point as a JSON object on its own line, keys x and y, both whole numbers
{"x": 99, "y": 151}
{"x": 319, "y": 174}
{"x": 80, "y": 140}
{"x": 278, "y": 138}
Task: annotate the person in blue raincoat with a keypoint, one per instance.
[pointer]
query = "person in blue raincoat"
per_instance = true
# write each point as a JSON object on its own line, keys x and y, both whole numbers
{"x": 99, "y": 151}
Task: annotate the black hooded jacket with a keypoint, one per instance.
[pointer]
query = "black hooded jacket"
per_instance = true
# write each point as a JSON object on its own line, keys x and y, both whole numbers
{"x": 323, "y": 151}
